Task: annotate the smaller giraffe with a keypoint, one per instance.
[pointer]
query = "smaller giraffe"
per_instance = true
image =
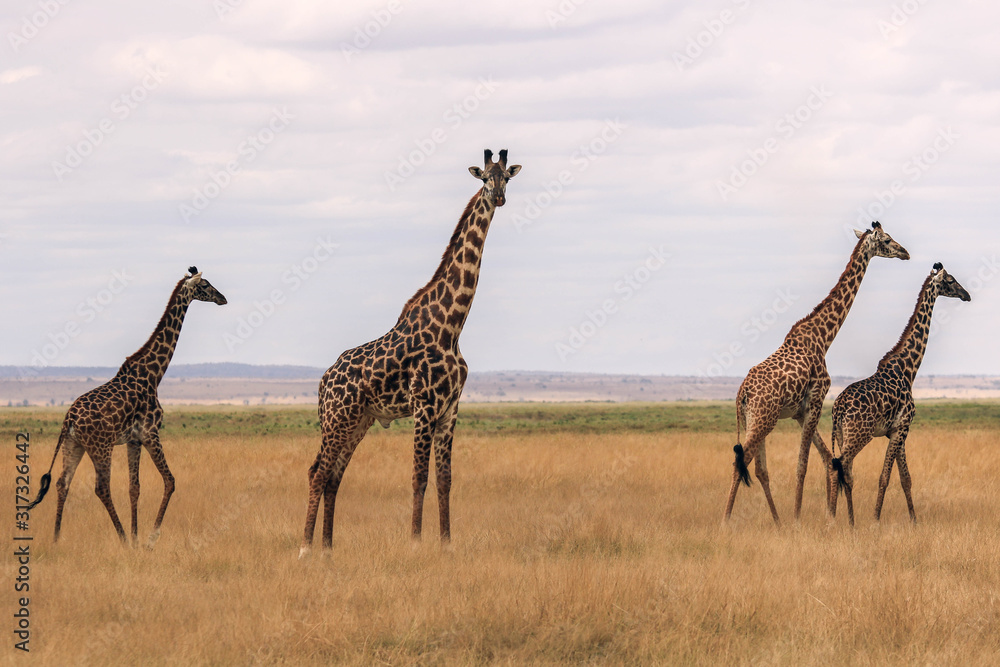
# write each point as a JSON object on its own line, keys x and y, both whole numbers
{"x": 882, "y": 405}
{"x": 126, "y": 411}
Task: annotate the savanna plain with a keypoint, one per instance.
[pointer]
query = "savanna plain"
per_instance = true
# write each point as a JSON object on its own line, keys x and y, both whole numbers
{"x": 581, "y": 534}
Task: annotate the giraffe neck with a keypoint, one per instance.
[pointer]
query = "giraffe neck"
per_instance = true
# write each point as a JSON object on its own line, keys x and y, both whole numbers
{"x": 824, "y": 322}
{"x": 444, "y": 302}
{"x": 906, "y": 356}
{"x": 151, "y": 360}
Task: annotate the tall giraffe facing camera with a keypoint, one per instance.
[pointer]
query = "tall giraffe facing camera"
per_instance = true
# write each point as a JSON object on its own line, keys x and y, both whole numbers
{"x": 416, "y": 369}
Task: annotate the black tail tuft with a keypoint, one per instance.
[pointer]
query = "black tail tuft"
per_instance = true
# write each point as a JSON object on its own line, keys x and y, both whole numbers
{"x": 741, "y": 465}
{"x": 839, "y": 467}
{"x": 43, "y": 488}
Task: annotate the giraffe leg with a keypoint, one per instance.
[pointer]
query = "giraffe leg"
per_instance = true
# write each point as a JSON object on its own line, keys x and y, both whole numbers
{"x": 328, "y": 469}
{"x": 318, "y": 476}
{"x": 883, "y": 481}
{"x": 134, "y": 451}
{"x": 102, "y": 467}
{"x": 809, "y": 421}
{"x": 755, "y": 440}
{"x": 827, "y": 454}
{"x": 155, "y": 450}
{"x": 72, "y": 455}
{"x": 904, "y": 478}
{"x": 849, "y": 489}
{"x": 833, "y": 491}
{"x": 337, "y": 474}
{"x": 423, "y": 437}
{"x": 442, "y": 459}
{"x": 760, "y": 470}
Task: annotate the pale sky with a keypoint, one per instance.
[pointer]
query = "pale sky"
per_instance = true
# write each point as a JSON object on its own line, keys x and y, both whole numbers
{"x": 691, "y": 175}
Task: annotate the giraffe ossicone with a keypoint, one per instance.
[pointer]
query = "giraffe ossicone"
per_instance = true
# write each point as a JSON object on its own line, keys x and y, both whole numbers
{"x": 125, "y": 410}
{"x": 415, "y": 370}
{"x": 882, "y": 404}
{"x": 793, "y": 381}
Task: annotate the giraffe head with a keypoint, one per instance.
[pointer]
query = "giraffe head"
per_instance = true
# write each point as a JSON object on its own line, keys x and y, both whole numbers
{"x": 203, "y": 290}
{"x": 495, "y": 176}
{"x": 881, "y": 244}
{"x": 947, "y": 285}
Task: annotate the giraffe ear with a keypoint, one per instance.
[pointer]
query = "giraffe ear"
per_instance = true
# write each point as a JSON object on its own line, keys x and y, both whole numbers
{"x": 858, "y": 233}
{"x": 477, "y": 172}
{"x": 512, "y": 172}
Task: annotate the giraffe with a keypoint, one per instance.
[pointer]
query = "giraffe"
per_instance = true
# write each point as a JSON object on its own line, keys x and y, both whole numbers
{"x": 882, "y": 404}
{"x": 793, "y": 381}
{"x": 416, "y": 369}
{"x": 125, "y": 410}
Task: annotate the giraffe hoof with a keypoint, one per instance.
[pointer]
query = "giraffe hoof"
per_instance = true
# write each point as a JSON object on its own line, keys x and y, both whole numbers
{"x": 304, "y": 551}
{"x": 153, "y": 537}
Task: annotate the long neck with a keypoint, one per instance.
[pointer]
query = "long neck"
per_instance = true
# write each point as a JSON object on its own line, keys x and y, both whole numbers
{"x": 824, "y": 322}
{"x": 151, "y": 360}
{"x": 444, "y": 302}
{"x": 909, "y": 351}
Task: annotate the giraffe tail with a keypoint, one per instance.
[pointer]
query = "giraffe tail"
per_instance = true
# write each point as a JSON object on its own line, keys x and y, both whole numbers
{"x": 741, "y": 465}
{"x": 839, "y": 467}
{"x": 838, "y": 434}
{"x": 46, "y": 482}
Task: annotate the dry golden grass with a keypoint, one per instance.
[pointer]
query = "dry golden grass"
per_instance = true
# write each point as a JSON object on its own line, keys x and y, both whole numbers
{"x": 567, "y": 549}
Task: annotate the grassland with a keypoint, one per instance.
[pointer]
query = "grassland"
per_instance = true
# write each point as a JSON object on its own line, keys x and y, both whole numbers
{"x": 582, "y": 534}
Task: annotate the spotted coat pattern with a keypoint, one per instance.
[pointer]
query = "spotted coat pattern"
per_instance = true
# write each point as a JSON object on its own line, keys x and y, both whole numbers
{"x": 125, "y": 410}
{"x": 793, "y": 381}
{"x": 882, "y": 404}
{"x": 416, "y": 369}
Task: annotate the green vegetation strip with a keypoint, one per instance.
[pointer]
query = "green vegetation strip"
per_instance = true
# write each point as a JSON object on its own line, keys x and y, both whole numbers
{"x": 501, "y": 418}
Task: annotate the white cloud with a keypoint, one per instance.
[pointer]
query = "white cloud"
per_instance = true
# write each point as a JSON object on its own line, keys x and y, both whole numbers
{"x": 356, "y": 118}
{"x": 19, "y": 74}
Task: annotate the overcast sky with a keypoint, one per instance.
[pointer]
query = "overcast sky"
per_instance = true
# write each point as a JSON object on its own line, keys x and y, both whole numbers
{"x": 691, "y": 176}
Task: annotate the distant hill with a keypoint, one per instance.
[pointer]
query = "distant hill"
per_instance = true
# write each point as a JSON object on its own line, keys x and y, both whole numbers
{"x": 248, "y": 384}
